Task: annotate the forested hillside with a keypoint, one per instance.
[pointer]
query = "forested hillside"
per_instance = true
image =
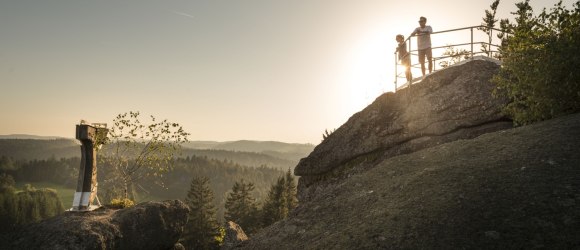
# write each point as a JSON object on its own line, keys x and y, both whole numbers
{"x": 279, "y": 155}
{"x": 63, "y": 171}
{"x": 242, "y": 158}
{"x": 30, "y": 149}
{"x": 222, "y": 174}
{"x": 54, "y": 164}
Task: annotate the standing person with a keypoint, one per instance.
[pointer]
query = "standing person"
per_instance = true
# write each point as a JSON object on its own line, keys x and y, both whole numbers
{"x": 404, "y": 57}
{"x": 423, "y": 33}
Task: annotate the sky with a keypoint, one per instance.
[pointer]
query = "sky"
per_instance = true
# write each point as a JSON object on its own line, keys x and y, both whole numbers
{"x": 269, "y": 70}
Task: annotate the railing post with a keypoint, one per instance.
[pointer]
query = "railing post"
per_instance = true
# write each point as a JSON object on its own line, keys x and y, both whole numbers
{"x": 489, "y": 45}
{"x": 396, "y": 71}
{"x": 434, "y": 59}
{"x": 410, "y": 61}
{"x": 471, "y": 42}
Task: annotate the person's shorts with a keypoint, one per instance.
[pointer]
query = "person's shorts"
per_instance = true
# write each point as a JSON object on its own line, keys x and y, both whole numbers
{"x": 406, "y": 61}
{"x": 425, "y": 52}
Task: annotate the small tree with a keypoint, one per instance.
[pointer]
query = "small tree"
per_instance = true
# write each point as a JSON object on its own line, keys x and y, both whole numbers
{"x": 291, "y": 191}
{"x": 488, "y": 25}
{"x": 327, "y": 134}
{"x": 202, "y": 227}
{"x": 241, "y": 207}
{"x": 137, "y": 150}
{"x": 454, "y": 55}
{"x": 275, "y": 206}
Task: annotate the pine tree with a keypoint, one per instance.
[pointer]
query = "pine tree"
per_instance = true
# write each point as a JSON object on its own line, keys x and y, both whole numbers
{"x": 488, "y": 25}
{"x": 275, "y": 207}
{"x": 241, "y": 207}
{"x": 280, "y": 201}
{"x": 202, "y": 227}
{"x": 291, "y": 191}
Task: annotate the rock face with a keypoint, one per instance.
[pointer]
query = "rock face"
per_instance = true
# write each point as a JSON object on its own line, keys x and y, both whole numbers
{"x": 510, "y": 189}
{"x": 234, "y": 236}
{"x": 455, "y": 103}
{"x": 150, "y": 225}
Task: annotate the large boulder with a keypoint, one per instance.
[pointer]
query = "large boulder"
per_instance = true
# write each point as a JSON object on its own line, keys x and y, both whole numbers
{"x": 235, "y": 235}
{"x": 455, "y": 103}
{"x": 150, "y": 225}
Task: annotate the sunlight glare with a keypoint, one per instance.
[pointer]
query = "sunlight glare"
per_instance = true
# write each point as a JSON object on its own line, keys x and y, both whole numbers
{"x": 370, "y": 68}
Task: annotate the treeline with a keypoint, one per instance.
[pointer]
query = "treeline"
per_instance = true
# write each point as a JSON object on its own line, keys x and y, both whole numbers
{"x": 63, "y": 171}
{"x": 222, "y": 175}
{"x": 244, "y": 158}
{"x": 203, "y": 231}
{"x": 21, "y": 207}
{"x": 30, "y": 149}
{"x": 173, "y": 185}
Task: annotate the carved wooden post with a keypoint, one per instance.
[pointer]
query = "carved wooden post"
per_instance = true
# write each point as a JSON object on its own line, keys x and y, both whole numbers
{"x": 91, "y": 136}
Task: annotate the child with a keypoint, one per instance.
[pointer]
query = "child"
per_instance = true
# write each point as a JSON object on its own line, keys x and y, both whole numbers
{"x": 404, "y": 56}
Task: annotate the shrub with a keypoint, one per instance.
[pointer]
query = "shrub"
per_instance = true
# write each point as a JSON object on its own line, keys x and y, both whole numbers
{"x": 121, "y": 203}
{"x": 541, "y": 59}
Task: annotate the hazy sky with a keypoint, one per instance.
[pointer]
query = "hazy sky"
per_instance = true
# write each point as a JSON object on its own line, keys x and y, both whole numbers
{"x": 282, "y": 70}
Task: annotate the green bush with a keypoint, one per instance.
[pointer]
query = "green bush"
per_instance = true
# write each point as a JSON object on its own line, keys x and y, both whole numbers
{"x": 121, "y": 203}
{"x": 541, "y": 58}
{"x": 222, "y": 235}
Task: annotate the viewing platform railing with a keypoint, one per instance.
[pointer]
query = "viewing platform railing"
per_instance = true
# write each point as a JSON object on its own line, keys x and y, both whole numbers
{"x": 462, "y": 50}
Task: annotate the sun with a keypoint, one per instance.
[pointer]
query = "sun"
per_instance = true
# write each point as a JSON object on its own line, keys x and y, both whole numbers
{"x": 370, "y": 66}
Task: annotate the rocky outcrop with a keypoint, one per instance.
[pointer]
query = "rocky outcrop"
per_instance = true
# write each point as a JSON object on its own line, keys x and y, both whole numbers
{"x": 150, "y": 225}
{"x": 510, "y": 189}
{"x": 234, "y": 236}
{"x": 455, "y": 103}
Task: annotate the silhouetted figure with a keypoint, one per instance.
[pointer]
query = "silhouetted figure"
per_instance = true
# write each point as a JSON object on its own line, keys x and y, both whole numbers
{"x": 423, "y": 33}
{"x": 404, "y": 56}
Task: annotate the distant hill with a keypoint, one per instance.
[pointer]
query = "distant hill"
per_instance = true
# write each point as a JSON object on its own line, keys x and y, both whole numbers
{"x": 31, "y": 137}
{"x": 202, "y": 144}
{"x": 243, "y": 158}
{"x": 30, "y": 149}
{"x": 288, "y": 151}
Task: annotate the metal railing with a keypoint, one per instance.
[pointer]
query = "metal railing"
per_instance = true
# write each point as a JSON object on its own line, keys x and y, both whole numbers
{"x": 468, "y": 53}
